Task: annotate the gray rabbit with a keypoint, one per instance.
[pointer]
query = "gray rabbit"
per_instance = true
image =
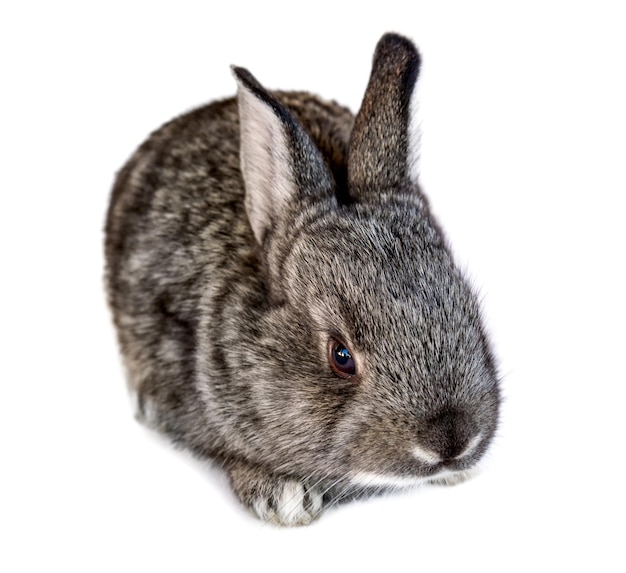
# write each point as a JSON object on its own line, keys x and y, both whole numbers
{"x": 287, "y": 306}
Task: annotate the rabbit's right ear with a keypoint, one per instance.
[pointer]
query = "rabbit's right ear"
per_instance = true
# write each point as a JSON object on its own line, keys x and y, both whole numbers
{"x": 279, "y": 162}
{"x": 384, "y": 145}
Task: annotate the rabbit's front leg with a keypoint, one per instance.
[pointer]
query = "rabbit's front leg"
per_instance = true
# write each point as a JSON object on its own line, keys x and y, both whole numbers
{"x": 279, "y": 499}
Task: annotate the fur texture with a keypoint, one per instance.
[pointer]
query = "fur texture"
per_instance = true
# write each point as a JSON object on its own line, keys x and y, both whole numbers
{"x": 243, "y": 237}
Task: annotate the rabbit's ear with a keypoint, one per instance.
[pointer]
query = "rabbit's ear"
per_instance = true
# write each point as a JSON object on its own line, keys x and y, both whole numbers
{"x": 384, "y": 145}
{"x": 279, "y": 162}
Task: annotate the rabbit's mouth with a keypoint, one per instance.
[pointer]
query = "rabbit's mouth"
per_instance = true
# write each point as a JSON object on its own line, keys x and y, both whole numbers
{"x": 424, "y": 465}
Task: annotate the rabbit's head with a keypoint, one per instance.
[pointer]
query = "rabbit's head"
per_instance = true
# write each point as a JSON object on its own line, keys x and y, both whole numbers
{"x": 371, "y": 364}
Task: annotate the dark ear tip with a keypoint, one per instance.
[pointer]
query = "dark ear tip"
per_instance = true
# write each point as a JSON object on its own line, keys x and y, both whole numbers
{"x": 396, "y": 47}
{"x": 247, "y": 81}
{"x": 245, "y": 78}
{"x": 393, "y": 40}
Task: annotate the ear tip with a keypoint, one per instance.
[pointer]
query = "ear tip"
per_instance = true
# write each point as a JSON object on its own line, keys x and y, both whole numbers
{"x": 395, "y": 46}
{"x": 393, "y": 39}
{"x": 242, "y": 76}
{"x": 250, "y": 87}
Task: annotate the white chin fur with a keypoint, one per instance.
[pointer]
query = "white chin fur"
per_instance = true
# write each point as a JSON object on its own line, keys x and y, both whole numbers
{"x": 453, "y": 478}
{"x": 371, "y": 479}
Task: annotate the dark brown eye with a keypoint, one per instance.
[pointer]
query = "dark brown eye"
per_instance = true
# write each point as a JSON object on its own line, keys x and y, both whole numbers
{"x": 340, "y": 359}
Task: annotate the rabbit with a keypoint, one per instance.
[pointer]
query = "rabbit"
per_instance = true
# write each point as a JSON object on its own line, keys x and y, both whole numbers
{"x": 286, "y": 305}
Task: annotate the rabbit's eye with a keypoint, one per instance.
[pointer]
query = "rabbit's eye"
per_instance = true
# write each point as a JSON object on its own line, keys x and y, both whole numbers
{"x": 340, "y": 359}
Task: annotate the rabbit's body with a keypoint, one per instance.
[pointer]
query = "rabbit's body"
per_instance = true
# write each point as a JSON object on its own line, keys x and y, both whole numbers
{"x": 312, "y": 332}
{"x": 177, "y": 225}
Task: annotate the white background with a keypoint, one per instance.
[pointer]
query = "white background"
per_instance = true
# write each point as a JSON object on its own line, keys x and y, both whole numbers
{"x": 523, "y": 157}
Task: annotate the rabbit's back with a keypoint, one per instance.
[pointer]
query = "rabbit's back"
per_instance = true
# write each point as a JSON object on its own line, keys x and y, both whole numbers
{"x": 176, "y": 225}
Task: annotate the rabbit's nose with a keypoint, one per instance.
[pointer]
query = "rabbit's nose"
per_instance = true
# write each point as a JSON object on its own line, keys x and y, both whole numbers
{"x": 450, "y": 434}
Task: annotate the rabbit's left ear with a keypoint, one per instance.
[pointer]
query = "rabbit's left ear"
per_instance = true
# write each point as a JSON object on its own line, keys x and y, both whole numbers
{"x": 384, "y": 145}
{"x": 281, "y": 165}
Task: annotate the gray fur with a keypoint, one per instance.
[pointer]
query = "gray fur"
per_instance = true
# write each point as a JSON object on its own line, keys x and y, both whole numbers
{"x": 224, "y": 331}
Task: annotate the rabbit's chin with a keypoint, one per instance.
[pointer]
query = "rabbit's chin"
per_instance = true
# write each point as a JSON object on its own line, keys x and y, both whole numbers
{"x": 444, "y": 477}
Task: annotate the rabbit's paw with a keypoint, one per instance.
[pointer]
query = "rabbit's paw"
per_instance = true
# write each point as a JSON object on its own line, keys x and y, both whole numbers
{"x": 277, "y": 499}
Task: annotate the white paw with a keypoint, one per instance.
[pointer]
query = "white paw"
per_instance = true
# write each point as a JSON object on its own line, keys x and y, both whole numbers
{"x": 292, "y": 503}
